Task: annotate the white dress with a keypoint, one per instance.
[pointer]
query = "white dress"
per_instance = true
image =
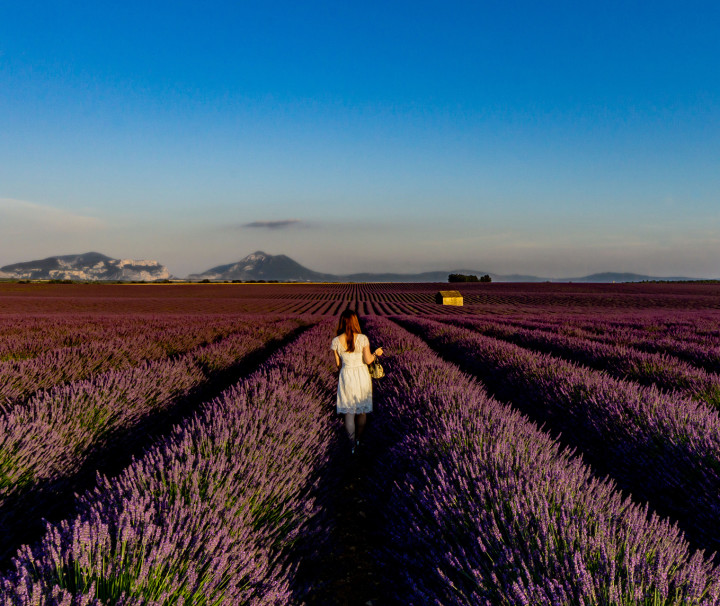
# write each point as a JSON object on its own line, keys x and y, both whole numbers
{"x": 354, "y": 392}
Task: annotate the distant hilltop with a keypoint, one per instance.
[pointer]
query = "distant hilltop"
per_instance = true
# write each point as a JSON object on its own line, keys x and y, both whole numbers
{"x": 87, "y": 267}
{"x": 262, "y": 266}
{"x": 93, "y": 267}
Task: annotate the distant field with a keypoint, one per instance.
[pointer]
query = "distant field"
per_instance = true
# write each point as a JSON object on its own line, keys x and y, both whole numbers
{"x": 541, "y": 444}
{"x": 371, "y": 299}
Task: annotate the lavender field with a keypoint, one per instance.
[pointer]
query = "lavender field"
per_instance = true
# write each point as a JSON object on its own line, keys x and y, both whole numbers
{"x": 177, "y": 444}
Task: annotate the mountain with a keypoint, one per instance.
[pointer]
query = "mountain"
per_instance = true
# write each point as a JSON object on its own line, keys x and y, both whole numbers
{"x": 261, "y": 266}
{"x": 94, "y": 266}
{"x": 88, "y": 267}
{"x": 621, "y": 277}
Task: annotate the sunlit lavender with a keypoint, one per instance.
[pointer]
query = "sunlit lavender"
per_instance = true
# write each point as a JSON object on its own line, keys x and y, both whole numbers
{"x": 185, "y": 450}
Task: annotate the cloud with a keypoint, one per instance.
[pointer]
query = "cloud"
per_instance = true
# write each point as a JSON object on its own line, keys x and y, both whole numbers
{"x": 34, "y": 219}
{"x": 273, "y": 224}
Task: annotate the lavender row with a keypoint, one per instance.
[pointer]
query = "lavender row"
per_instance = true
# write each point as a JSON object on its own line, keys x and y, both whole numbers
{"x": 45, "y": 443}
{"x": 117, "y": 347}
{"x": 662, "y": 370}
{"x": 695, "y": 327}
{"x": 23, "y": 337}
{"x": 702, "y": 351}
{"x": 694, "y": 340}
{"x": 212, "y": 514}
{"x": 484, "y": 508}
{"x": 660, "y": 447}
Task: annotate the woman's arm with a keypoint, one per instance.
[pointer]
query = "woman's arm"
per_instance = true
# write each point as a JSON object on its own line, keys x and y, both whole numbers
{"x": 337, "y": 360}
{"x": 370, "y": 357}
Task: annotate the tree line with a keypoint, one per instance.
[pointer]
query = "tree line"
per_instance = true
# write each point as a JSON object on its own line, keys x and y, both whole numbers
{"x": 468, "y": 278}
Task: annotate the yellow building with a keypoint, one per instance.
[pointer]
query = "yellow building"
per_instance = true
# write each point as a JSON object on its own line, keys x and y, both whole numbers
{"x": 449, "y": 297}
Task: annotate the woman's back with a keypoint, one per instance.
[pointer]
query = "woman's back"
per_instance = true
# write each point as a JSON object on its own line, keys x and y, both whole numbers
{"x": 350, "y": 359}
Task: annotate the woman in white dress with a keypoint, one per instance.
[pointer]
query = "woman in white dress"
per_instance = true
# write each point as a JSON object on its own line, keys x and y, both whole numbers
{"x": 354, "y": 393}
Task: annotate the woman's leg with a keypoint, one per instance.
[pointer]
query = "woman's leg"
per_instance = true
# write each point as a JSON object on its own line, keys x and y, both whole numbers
{"x": 350, "y": 426}
{"x": 360, "y": 422}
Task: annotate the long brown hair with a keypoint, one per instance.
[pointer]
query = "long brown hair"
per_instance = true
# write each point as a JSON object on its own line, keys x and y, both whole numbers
{"x": 349, "y": 325}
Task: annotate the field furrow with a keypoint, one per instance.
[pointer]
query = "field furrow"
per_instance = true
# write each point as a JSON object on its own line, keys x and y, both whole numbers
{"x": 52, "y": 445}
{"x": 660, "y": 447}
{"x": 210, "y": 515}
{"x": 663, "y": 370}
{"x": 693, "y": 339}
{"x": 540, "y": 444}
{"x": 118, "y": 346}
{"x": 481, "y": 507}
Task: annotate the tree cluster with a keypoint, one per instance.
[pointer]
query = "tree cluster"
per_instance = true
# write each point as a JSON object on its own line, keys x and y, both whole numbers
{"x": 468, "y": 278}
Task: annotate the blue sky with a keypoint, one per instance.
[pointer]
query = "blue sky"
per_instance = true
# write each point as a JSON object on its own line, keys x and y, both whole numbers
{"x": 554, "y": 138}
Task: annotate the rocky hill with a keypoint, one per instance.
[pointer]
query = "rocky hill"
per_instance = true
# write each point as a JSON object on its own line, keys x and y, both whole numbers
{"x": 261, "y": 266}
{"x": 89, "y": 267}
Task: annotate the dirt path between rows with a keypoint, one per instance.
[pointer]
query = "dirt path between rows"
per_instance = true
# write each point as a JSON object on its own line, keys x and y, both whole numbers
{"x": 347, "y": 575}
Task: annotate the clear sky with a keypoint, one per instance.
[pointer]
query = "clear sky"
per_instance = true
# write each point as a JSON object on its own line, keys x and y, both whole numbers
{"x": 551, "y": 138}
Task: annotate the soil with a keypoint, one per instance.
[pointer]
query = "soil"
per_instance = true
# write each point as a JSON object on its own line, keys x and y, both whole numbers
{"x": 347, "y": 576}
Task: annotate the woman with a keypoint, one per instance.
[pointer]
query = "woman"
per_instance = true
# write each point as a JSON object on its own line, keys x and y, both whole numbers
{"x": 354, "y": 392}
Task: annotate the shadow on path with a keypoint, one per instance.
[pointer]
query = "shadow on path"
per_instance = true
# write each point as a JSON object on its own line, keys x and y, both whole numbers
{"x": 339, "y": 569}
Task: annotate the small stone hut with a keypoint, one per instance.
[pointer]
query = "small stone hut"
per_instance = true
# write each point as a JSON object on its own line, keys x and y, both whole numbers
{"x": 449, "y": 297}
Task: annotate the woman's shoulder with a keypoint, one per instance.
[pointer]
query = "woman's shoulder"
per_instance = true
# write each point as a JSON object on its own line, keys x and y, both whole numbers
{"x": 362, "y": 340}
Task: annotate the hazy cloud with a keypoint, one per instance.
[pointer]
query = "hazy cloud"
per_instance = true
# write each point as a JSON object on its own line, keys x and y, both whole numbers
{"x": 273, "y": 224}
{"x": 32, "y": 231}
{"x": 33, "y": 218}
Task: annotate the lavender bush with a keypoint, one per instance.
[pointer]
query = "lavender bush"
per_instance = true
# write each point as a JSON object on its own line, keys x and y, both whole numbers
{"x": 660, "y": 447}
{"x": 45, "y": 442}
{"x": 210, "y": 515}
{"x": 694, "y": 339}
{"x": 31, "y": 363}
{"x": 660, "y": 369}
{"x": 484, "y": 508}
{"x": 691, "y": 345}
